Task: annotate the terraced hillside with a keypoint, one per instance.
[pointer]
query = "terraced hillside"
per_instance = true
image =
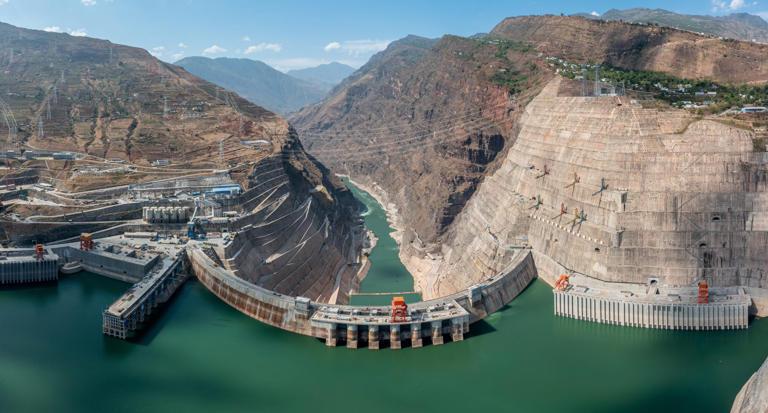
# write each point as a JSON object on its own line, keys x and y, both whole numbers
{"x": 616, "y": 189}
{"x": 119, "y": 110}
{"x": 119, "y": 103}
{"x": 426, "y": 120}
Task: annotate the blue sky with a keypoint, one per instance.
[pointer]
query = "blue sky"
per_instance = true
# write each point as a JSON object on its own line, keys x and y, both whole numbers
{"x": 290, "y": 34}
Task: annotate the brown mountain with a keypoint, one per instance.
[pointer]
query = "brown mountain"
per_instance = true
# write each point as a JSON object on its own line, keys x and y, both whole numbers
{"x": 426, "y": 120}
{"x": 641, "y": 47}
{"x": 120, "y": 109}
{"x": 118, "y": 102}
{"x": 740, "y": 26}
{"x": 435, "y": 129}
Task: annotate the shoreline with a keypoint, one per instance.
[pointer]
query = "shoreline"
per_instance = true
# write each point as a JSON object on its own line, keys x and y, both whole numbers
{"x": 393, "y": 218}
{"x": 410, "y": 262}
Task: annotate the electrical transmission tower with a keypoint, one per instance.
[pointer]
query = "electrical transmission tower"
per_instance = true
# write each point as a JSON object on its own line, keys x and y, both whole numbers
{"x": 597, "y": 80}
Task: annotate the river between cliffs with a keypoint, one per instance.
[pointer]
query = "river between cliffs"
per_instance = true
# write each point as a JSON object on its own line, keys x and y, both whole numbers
{"x": 203, "y": 356}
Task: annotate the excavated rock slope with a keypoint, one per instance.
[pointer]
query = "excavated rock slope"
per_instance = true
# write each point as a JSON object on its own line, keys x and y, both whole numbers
{"x": 660, "y": 193}
{"x": 607, "y": 188}
{"x": 753, "y": 397}
{"x": 301, "y": 238}
{"x": 425, "y": 120}
{"x": 112, "y": 101}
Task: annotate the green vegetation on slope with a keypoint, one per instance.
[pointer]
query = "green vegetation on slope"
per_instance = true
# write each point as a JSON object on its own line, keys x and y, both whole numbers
{"x": 680, "y": 92}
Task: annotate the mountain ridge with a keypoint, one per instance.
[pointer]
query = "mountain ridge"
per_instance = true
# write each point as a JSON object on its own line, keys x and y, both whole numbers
{"x": 330, "y": 74}
{"x": 256, "y": 81}
{"x": 740, "y": 26}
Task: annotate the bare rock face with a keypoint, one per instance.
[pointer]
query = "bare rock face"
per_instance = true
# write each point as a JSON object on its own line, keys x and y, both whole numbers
{"x": 426, "y": 120}
{"x": 607, "y": 188}
{"x": 753, "y": 397}
{"x": 602, "y": 186}
{"x": 123, "y": 108}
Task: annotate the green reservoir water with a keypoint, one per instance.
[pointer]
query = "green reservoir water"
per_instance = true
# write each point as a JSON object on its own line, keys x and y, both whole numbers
{"x": 387, "y": 273}
{"x": 203, "y": 356}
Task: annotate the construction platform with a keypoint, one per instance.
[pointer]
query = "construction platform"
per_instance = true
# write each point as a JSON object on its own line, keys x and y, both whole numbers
{"x": 653, "y": 306}
{"x": 27, "y": 265}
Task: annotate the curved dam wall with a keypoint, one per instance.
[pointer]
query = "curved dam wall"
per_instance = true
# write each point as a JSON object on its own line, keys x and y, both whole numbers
{"x": 604, "y": 187}
{"x": 431, "y": 320}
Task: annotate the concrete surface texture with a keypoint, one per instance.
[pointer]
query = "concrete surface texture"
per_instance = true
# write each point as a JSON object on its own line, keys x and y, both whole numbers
{"x": 753, "y": 397}
{"x": 615, "y": 191}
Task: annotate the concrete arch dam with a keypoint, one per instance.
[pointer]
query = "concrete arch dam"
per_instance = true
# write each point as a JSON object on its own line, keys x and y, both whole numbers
{"x": 429, "y": 321}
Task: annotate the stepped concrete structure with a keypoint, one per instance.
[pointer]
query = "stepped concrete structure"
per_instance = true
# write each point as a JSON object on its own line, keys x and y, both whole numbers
{"x": 23, "y": 265}
{"x": 607, "y": 189}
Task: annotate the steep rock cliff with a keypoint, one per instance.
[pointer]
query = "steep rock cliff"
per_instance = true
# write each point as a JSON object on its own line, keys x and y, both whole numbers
{"x": 753, "y": 397}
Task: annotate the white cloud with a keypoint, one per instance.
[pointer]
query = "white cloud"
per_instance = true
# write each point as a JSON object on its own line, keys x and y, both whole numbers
{"x": 177, "y": 56}
{"x": 157, "y": 51}
{"x": 763, "y": 14}
{"x": 215, "y": 49}
{"x": 88, "y": 2}
{"x": 594, "y": 13}
{"x": 52, "y": 29}
{"x": 272, "y": 47}
{"x": 3, "y": 2}
{"x": 246, "y": 38}
{"x": 332, "y": 46}
{"x": 725, "y": 5}
{"x": 77, "y": 32}
{"x": 358, "y": 47}
{"x": 182, "y": 45}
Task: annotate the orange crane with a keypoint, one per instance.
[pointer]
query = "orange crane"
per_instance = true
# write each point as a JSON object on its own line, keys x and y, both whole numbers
{"x": 86, "y": 241}
{"x": 703, "y": 292}
{"x": 562, "y": 282}
{"x": 39, "y": 251}
{"x": 399, "y": 310}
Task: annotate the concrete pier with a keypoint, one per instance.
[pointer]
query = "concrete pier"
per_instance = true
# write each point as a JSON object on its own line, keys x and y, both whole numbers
{"x": 672, "y": 308}
{"x": 21, "y": 266}
{"x": 330, "y": 338}
{"x": 416, "y": 341}
{"x": 394, "y": 337}
{"x": 125, "y": 316}
{"x": 352, "y": 341}
{"x": 373, "y": 338}
{"x": 437, "y": 319}
{"x": 437, "y": 333}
